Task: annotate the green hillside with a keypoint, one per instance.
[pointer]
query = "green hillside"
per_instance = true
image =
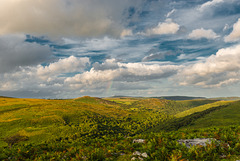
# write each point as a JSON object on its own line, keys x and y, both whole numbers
{"x": 222, "y": 117}
{"x": 90, "y": 128}
{"x": 202, "y": 108}
{"x": 37, "y": 118}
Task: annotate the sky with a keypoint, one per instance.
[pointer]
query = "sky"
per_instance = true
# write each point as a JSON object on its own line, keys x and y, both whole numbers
{"x": 101, "y": 48}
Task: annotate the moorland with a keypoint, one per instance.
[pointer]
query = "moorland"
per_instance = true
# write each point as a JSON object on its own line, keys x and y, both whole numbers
{"x": 90, "y": 128}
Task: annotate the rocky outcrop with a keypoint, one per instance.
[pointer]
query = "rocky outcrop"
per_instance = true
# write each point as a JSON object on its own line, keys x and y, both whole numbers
{"x": 197, "y": 141}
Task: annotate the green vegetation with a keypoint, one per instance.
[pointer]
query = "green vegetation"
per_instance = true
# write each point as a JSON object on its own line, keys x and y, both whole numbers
{"x": 202, "y": 108}
{"x": 222, "y": 117}
{"x": 90, "y": 128}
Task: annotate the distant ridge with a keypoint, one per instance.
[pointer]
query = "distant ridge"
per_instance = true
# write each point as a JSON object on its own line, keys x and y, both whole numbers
{"x": 163, "y": 97}
{"x": 120, "y": 96}
{"x": 226, "y": 98}
{"x": 179, "y": 97}
{"x": 5, "y": 97}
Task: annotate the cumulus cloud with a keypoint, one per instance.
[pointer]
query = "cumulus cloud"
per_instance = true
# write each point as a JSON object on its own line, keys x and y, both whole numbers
{"x": 209, "y": 4}
{"x": 217, "y": 70}
{"x": 16, "y": 53}
{"x": 167, "y": 27}
{"x": 67, "y": 65}
{"x": 129, "y": 72}
{"x": 63, "y": 17}
{"x": 203, "y": 33}
{"x": 59, "y": 78}
{"x": 39, "y": 79}
{"x": 235, "y": 34}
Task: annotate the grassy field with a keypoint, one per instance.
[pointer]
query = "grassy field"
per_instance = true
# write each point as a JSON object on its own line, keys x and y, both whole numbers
{"x": 90, "y": 128}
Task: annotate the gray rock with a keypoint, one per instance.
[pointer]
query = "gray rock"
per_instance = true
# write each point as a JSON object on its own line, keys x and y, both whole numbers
{"x": 197, "y": 141}
{"x": 133, "y": 158}
{"x": 144, "y": 155}
{"x": 137, "y": 153}
{"x": 139, "y": 141}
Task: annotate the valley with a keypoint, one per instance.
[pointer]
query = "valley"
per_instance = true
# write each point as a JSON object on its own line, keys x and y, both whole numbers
{"x": 91, "y": 128}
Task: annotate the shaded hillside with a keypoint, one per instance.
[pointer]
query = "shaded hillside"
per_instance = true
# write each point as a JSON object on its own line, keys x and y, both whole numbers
{"x": 168, "y": 106}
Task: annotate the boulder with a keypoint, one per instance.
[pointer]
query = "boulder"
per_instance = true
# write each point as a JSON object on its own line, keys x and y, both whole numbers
{"x": 197, "y": 141}
{"x": 139, "y": 141}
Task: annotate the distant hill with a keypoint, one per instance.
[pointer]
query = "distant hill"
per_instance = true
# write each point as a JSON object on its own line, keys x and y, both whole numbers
{"x": 226, "y": 98}
{"x": 179, "y": 97}
{"x": 167, "y": 97}
{"x": 5, "y": 97}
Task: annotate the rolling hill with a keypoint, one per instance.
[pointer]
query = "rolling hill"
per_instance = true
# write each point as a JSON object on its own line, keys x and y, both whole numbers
{"x": 91, "y": 128}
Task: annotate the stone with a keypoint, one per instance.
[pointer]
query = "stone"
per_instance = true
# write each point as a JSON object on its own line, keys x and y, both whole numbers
{"x": 137, "y": 153}
{"x": 197, "y": 141}
{"x": 144, "y": 155}
{"x": 139, "y": 141}
{"x": 133, "y": 158}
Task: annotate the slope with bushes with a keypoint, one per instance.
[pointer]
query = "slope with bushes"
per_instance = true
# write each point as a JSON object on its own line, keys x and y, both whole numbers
{"x": 90, "y": 128}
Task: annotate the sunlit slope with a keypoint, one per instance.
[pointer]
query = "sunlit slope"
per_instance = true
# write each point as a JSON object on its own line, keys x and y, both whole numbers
{"x": 229, "y": 115}
{"x": 186, "y": 118}
{"x": 202, "y": 108}
{"x": 40, "y": 119}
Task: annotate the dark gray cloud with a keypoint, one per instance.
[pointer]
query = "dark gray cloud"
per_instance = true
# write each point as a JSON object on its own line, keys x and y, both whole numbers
{"x": 16, "y": 53}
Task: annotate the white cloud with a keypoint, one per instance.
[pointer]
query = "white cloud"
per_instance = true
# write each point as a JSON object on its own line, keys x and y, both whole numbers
{"x": 67, "y": 65}
{"x": 129, "y": 72}
{"x": 235, "y": 34}
{"x": 56, "y": 78}
{"x": 105, "y": 43}
{"x": 63, "y": 17}
{"x": 209, "y": 4}
{"x": 217, "y": 70}
{"x": 16, "y": 53}
{"x": 42, "y": 79}
{"x": 167, "y": 27}
{"x": 126, "y": 32}
{"x": 226, "y": 27}
{"x": 203, "y": 33}
{"x": 170, "y": 13}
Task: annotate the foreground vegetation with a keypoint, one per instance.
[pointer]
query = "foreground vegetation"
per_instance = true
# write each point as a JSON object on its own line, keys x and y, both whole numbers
{"x": 90, "y": 128}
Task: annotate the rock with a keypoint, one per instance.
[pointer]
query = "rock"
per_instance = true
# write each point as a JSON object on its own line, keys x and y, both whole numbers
{"x": 140, "y": 158}
{"x": 139, "y": 141}
{"x": 137, "y": 153}
{"x": 144, "y": 155}
{"x": 197, "y": 141}
{"x": 84, "y": 158}
{"x": 133, "y": 158}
